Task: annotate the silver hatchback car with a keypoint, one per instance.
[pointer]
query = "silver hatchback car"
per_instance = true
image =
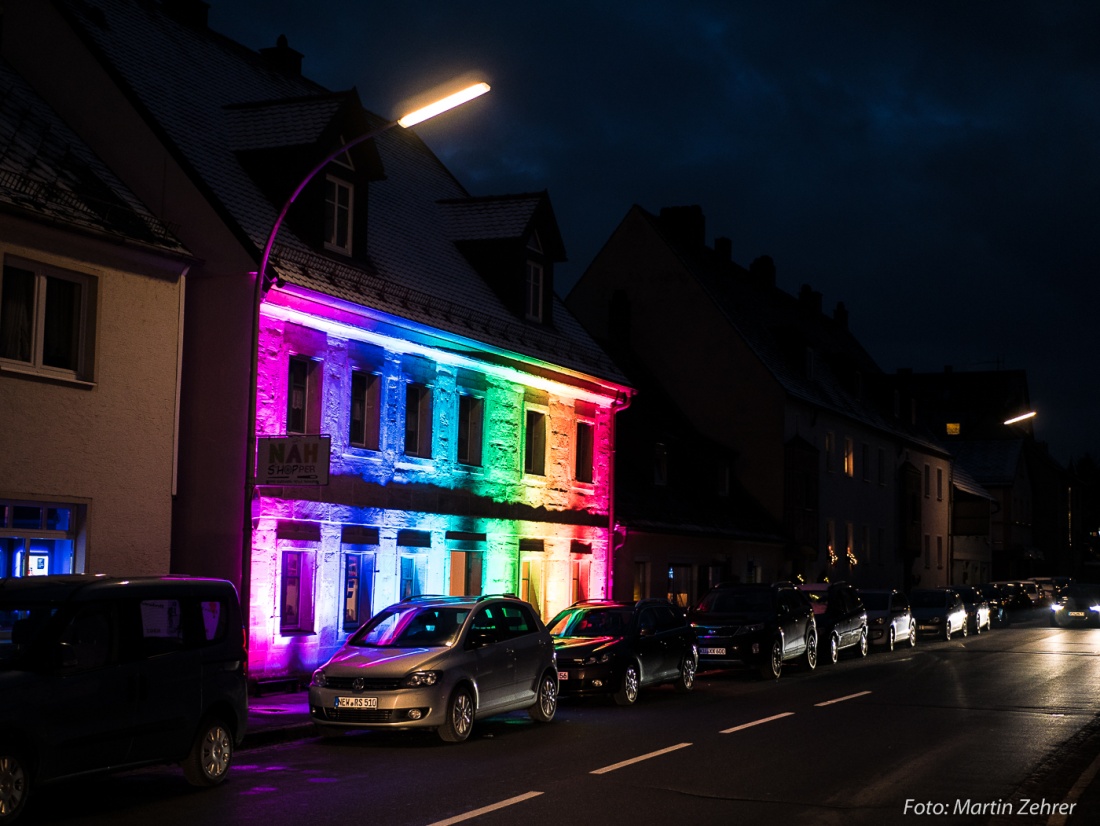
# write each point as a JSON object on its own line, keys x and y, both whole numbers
{"x": 439, "y": 663}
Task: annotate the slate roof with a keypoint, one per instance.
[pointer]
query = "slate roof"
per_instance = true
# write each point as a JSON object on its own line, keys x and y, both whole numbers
{"x": 204, "y": 91}
{"x": 47, "y": 172}
{"x": 279, "y": 123}
{"x": 993, "y": 462}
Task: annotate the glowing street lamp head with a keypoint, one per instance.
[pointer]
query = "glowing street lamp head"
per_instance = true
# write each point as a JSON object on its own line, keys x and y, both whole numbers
{"x": 1031, "y": 414}
{"x": 444, "y": 104}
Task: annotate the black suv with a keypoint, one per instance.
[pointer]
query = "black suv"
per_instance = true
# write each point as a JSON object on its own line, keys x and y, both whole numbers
{"x": 841, "y": 617}
{"x": 616, "y": 648}
{"x": 102, "y": 673}
{"x": 761, "y": 626}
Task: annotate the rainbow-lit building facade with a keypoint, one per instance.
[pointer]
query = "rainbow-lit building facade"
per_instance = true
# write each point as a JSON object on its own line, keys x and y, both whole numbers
{"x": 410, "y": 328}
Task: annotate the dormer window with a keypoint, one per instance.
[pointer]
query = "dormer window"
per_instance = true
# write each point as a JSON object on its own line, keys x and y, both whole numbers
{"x": 535, "y": 279}
{"x": 339, "y": 203}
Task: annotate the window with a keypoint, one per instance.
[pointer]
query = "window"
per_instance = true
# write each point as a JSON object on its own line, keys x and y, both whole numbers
{"x": 534, "y": 451}
{"x": 850, "y": 543}
{"x": 580, "y": 568}
{"x": 849, "y": 458}
{"x": 584, "y": 446}
{"x": 882, "y": 466}
{"x": 37, "y": 538}
{"x": 641, "y": 580}
{"x": 829, "y": 448}
{"x": 939, "y": 484}
{"x": 939, "y": 552}
{"x": 338, "y": 214}
{"x": 298, "y": 397}
{"x": 927, "y": 481}
{"x": 679, "y": 584}
{"x": 830, "y": 540}
{"x": 927, "y": 551}
{"x": 466, "y": 573}
{"x": 47, "y": 318}
{"x": 358, "y": 576}
{"x": 530, "y": 583}
{"x": 418, "y": 420}
{"x": 866, "y": 462}
{"x": 363, "y": 430}
{"x": 471, "y": 415}
{"x": 296, "y": 601}
{"x": 533, "y": 307}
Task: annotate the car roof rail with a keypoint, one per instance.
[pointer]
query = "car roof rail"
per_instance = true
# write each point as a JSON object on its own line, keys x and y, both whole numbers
{"x": 507, "y": 595}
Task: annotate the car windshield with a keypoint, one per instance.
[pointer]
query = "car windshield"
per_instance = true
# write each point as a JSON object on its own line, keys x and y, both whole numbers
{"x": 591, "y": 622}
{"x": 1083, "y": 592}
{"x": 21, "y": 626}
{"x": 928, "y": 599}
{"x": 734, "y": 601}
{"x": 411, "y": 627}
{"x": 874, "y": 601}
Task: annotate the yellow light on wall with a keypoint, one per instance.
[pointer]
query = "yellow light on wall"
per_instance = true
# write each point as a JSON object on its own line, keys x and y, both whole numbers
{"x": 953, "y": 428}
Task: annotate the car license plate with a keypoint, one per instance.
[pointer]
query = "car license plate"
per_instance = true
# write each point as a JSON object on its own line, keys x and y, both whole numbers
{"x": 1076, "y": 613}
{"x": 713, "y": 652}
{"x": 563, "y": 676}
{"x": 356, "y": 702}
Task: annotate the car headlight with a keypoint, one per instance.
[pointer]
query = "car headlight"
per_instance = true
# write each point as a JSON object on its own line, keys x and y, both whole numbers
{"x": 1095, "y": 608}
{"x": 419, "y": 679}
{"x": 1057, "y": 606}
{"x": 319, "y": 679}
{"x": 597, "y": 659}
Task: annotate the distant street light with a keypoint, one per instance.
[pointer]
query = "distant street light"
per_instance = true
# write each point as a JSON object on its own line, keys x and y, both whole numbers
{"x": 1031, "y": 414}
{"x": 263, "y": 281}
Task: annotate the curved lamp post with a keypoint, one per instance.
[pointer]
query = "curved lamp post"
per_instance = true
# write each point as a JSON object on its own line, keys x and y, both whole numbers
{"x": 437, "y": 107}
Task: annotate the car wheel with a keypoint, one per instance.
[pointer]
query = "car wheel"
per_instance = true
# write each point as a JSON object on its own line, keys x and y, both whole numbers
{"x": 912, "y": 635}
{"x": 811, "y": 651}
{"x": 546, "y": 703}
{"x": 977, "y": 625}
{"x": 15, "y": 785}
{"x": 460, "y": 717}
{"x": 965, "y": 628}
{"x": 771, "y": 668}
{"x": 627, "y": 694}
{"x": 863, "y": 642}
{"x": 890, "y": 639}
{"x": 947, "y": 629}
{"x": 211, "y": 754}
{"x": 685, "y": 682}
{"x": 834, "y": 648}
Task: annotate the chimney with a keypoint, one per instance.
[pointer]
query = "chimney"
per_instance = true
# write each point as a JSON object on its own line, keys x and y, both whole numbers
{"x": 723, "y": 249}
{"x": 282, "y": 58}
{"x": 685, "y": 225}
{"x": 192, "y": 13}
{"x": 840, "y": 315}
{"x": 810, "y": 298}
{"x": 762, "y": 270}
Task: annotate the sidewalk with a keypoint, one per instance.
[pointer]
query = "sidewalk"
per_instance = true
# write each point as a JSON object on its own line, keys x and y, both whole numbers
{"x": 276, "y": 718}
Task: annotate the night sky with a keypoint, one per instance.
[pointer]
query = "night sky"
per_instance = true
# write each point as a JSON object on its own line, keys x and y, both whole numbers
{"x": 933, "y": 165}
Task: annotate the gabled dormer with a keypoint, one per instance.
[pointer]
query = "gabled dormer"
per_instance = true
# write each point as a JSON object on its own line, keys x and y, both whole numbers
{"x": 278, "y": 143}
{"x": 513, "y": 242}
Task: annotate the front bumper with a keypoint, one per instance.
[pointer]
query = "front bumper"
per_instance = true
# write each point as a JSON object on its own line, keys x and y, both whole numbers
{"x": 588, "y": 680}
{"x": 402, "y": 708}
{"x": 724, "y": 652}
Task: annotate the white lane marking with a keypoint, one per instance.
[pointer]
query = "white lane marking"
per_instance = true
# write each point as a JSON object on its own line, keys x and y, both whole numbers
{"x": 842, "y": 699}
{"x": 757, "y": 722}
{"x": 486, "y": 809}
{"x": 634, "y": 760}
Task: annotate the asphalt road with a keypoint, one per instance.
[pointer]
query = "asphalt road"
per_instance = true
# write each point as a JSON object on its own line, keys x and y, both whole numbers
{"x": 953, "y": 732}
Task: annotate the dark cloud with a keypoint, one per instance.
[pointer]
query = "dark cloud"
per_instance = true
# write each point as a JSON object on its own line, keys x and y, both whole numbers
{"x": 934, "y": 165}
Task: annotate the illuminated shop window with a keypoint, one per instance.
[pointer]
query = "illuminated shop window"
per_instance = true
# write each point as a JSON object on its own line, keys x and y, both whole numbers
{"x": 418, "y": 420}
{"x": 358, "y": 577}
{"x": 296, "y": 602}
{"x": 339, "y": 203}
{"x": 471, "y": 415}
{"x": 37, "y": 539}
{"x": 679, "y": 585}
{"x": 47, "y": 319}
{"x": 584, "y": 452}
{"x": 364, "y": 423}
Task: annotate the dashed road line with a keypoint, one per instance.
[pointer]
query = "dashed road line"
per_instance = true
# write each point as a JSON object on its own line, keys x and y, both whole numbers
{"x": 486, "y": 809}
{"x": 842, "y": 699}
{"x": 757, "y": 722}
{"x": 639, "y": 759}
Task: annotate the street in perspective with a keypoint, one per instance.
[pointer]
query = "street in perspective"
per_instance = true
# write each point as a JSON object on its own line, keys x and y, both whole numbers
{"x": 992, "y": 728}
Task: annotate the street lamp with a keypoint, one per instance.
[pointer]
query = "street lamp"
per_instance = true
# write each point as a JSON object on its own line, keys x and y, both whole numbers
{"x": 419, "y": 115}
{"x": 1023, "y": 417}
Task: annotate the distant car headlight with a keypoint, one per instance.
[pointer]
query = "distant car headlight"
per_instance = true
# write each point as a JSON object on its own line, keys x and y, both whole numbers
{"x": 319, "y": 679}
{"x": 597, "y": 659}
{"x": 419, "y": 679}
{"x": 751, "y": 629}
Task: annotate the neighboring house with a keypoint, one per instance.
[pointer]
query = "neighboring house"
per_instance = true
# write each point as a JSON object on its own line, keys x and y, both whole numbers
{"x": 408, "y": 343}
{"x": 91, "y": 296}
{"x": 787, "y": 390}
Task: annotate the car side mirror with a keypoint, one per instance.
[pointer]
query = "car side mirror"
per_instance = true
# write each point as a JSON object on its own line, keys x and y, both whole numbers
{"x": 64, "y": 657}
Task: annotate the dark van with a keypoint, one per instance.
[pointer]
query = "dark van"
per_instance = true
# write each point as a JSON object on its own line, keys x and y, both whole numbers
{"x": 101, "y": 673}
